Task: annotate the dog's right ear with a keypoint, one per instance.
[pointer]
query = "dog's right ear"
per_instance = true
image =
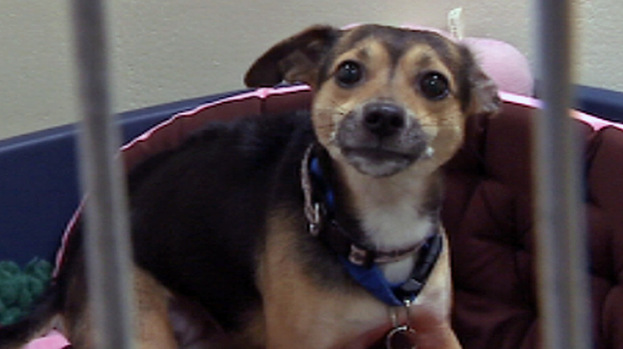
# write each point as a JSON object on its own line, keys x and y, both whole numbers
{"x": 296, "y": 59}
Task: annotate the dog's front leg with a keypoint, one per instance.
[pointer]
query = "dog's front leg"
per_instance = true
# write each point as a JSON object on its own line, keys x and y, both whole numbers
{"x": 289, "y": 303}
{"x": 299, "y": 312}
{"x": 151, "y": 318}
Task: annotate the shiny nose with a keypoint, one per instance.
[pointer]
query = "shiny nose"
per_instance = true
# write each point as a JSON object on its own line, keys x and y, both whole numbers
{"x": 383, "y": 119}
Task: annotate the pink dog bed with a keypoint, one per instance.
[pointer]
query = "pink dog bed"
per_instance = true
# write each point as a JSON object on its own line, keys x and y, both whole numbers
{"x": 495, "y": 300}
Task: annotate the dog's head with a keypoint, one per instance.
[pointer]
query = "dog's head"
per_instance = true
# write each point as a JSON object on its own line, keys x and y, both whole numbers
{"x": 384, "y": 98}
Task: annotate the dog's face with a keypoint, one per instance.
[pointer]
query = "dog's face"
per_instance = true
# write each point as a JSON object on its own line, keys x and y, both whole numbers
{"x": 384, "y": 98}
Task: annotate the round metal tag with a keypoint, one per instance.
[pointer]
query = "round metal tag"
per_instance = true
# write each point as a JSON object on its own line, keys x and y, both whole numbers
{"x": 401, "y": 337}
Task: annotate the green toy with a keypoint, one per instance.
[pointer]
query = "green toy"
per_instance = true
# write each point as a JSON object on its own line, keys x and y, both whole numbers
{"x": 19, "y": 288}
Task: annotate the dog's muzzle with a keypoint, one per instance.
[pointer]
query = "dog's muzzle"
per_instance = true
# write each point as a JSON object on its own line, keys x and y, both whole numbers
{"x": 381, "y": 139}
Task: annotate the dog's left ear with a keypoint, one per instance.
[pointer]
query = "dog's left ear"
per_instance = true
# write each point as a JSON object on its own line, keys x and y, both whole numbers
{"x": 480, "y": 91}
{"x": 296, "y": 59}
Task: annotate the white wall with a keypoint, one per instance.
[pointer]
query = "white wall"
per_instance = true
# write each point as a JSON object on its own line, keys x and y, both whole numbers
{"x": 163, "y": 51}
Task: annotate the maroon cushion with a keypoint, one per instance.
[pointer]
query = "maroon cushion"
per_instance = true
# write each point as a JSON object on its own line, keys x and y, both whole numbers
{"x": 488, "y": 216}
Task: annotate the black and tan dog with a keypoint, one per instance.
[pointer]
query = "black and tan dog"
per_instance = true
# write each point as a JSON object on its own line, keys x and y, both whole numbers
{"x": 311, "y": 230}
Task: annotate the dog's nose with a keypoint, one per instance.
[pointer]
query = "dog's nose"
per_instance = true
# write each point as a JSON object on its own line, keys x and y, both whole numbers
{"x": 383, "y": 119}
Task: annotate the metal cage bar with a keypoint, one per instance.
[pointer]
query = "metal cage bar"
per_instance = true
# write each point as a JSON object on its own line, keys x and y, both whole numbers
{"x": 560, "y": 222}
{"x": 106, "y": 230}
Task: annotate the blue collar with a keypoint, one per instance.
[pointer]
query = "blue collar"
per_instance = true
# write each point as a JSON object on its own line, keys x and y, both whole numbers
{"x": 360, "y": 262}
{"x": 373, "y": 280}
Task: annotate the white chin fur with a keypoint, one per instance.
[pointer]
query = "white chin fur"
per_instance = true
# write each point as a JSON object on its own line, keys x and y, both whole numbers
{"x": 385, "y": 168}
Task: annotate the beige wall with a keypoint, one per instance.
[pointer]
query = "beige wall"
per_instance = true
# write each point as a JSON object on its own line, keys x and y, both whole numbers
{"x": 164, "y": 51}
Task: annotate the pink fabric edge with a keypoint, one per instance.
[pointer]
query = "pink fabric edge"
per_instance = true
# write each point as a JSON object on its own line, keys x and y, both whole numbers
{"x": 595, "y": 122}
{"x": 262, "y": 94}
{"x": 55, "y": 340}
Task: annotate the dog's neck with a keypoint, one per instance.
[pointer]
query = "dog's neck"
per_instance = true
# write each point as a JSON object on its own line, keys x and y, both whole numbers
{"x": 394, "y": 212}
{"x": 387, "y": 213}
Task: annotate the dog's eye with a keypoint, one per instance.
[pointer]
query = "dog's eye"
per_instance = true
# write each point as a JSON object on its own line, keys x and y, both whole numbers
{"x": 434, "y": 85}
{"x": 349, "y": 73}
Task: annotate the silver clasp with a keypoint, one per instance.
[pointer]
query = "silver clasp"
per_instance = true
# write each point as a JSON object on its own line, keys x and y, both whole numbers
{"x": 315, "y": 220}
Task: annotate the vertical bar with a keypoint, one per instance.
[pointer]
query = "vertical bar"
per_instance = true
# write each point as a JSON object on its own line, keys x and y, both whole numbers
{"x": 106, "y": 238}
{"x": 561, "y": 236}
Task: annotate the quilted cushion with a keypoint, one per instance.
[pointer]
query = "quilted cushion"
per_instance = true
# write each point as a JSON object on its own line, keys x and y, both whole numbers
{"x": 488, "y": 216}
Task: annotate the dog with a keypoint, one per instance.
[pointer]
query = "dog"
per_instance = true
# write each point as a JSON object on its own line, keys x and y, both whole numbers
{"x": 314, "y": 229}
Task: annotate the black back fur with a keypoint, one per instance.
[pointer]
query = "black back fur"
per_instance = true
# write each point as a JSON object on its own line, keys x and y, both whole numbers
{"x": 198, "y": 212}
